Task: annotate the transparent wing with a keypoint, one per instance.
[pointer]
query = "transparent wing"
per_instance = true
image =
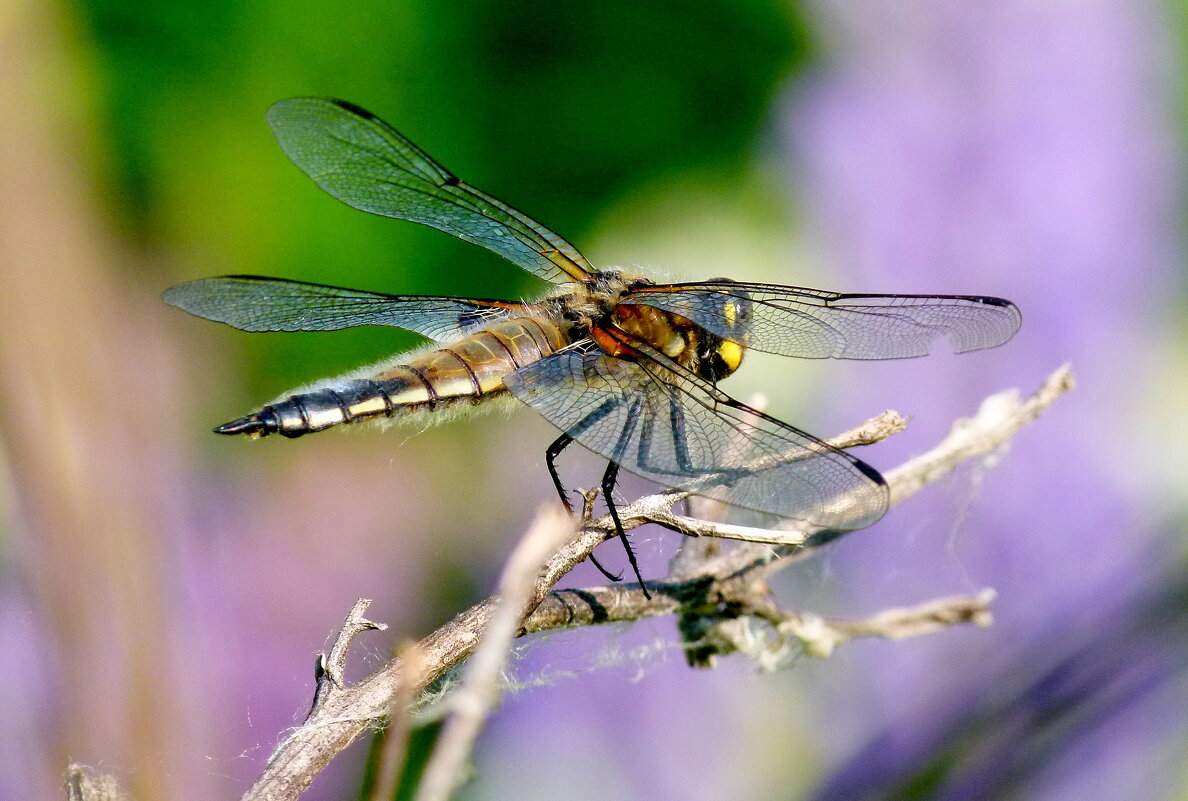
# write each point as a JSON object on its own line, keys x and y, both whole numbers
{"x": 682, "y": 432}
{"x": 253, "y": 303}
{"x": 365, "y": 163}
{"x": 814, "y": 324}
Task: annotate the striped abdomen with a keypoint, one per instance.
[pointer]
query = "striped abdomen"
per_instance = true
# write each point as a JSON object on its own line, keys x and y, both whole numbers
{"x": 466, "y": 372}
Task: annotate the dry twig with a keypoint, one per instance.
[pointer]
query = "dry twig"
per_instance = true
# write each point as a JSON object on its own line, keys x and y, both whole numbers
{"x": 710, "y": 597}
{"x": 330, "y": 668}
{"x": 473, "y": 701}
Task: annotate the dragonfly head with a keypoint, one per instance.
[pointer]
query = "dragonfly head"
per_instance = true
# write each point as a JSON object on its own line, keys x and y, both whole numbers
{"x": 716, "y": 357}
{"x": 720, "y": 353}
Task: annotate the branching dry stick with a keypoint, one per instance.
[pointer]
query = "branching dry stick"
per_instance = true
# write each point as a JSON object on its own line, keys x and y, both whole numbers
{"x": 820, "y": 637}
{"x": 731, "y": 583}
{"x": 330, "y": 668}
{"x": 998, "y": 419}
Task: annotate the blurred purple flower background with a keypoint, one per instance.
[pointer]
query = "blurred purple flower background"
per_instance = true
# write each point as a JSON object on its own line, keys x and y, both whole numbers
{"x": 1026, "y": 150}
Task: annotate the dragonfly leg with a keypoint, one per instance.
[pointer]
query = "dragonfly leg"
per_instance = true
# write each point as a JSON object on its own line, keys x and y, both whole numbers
{"x": 612, "y": 576}
{"x": 551, "y": 455}
{"x": 608, "y": 485}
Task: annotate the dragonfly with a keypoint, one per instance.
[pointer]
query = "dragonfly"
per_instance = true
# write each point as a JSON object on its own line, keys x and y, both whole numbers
{"x": 622, "y": 364}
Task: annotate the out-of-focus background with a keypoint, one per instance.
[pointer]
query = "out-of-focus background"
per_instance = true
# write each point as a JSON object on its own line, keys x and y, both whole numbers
{"x": 163, "y": 590}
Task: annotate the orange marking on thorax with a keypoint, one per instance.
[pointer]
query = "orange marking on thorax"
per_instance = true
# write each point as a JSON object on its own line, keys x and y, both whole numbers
{"x": 662, "y": 330}
{"x": 612, "y": 345}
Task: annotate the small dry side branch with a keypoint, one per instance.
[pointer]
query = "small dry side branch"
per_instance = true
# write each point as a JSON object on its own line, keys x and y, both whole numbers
{"x": 720, "y": 598}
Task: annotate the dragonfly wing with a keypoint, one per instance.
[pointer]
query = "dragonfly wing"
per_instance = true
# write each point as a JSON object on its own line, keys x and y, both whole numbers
{"x": 683, "y": 433}
{"x": 815, "y": 324}
{"x": 365, "y": 163}
{"x": 253, "y": 303}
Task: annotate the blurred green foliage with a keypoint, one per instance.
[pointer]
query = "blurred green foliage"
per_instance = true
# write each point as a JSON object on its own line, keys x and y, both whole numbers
{"x": 558, "y": 108}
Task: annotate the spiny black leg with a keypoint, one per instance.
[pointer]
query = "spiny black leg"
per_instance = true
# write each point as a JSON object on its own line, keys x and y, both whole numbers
{"x": 551, "y": 455}
{"x": 608, "y": 486}
{"x": 594, "y": 561}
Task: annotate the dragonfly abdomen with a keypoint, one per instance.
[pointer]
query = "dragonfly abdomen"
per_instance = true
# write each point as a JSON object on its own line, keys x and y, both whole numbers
{"x": 464, "y": 373}
{"x": 317, "y": 410}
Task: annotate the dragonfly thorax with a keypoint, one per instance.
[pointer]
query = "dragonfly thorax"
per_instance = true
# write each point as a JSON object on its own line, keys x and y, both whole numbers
{"x": 621, "y": 328}
{"x": 705, "y": 354}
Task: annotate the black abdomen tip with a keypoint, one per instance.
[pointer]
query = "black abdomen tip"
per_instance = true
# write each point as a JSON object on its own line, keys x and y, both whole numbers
{"x": 260, "y": 424}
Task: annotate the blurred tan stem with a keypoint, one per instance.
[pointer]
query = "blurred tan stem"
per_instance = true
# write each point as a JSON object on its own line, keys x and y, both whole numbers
{"x": 81, "y": 424}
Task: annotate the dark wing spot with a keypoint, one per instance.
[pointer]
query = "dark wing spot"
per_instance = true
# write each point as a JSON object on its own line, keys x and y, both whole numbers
{"x": 356, "y": 110}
